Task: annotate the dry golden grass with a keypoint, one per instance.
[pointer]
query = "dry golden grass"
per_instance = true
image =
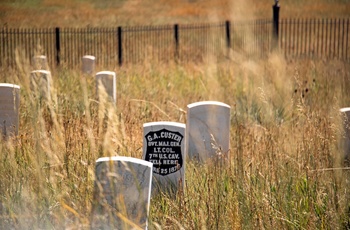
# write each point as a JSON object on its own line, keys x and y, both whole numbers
{"x": 285, "y": 169}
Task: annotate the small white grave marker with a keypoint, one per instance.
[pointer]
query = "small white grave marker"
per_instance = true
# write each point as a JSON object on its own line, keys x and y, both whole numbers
{"x": 164, "y": 146}
{"x": 88, "y": 64}
{"x": 9, "y": 109}
{"x": 122, "y": 193}
{"x": 208, "y": 130}
{"x": 40, "y": 62}
{"x": 346, "y": 125}
{"x": 108, "y": 81}
{"x": 40, "y": 83}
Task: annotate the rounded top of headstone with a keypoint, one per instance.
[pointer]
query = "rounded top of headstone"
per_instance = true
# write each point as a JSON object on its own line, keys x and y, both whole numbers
{"x": 208, "y": 103}
{"x": 344, "y": 110}
{"x": 40, "y": 56}
{"x": 89, "y": 57}
{"x": 125, "y": 159}
{"x": 165, "y": 123}
{"x": 9, "y": 85}
{"x": 41, "y": 71}
{"x": 106, "y": 72}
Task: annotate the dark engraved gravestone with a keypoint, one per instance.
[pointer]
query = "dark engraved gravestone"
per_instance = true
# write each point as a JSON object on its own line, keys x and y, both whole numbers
{"x": 9, "y": 109}
{"x": 208, "y": 131}
{"x": 122, "y": 193}
{"x": 164, "y": 146}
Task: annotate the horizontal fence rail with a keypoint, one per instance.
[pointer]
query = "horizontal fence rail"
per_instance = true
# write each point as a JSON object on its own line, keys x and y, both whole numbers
{"x": 296, "y": 38}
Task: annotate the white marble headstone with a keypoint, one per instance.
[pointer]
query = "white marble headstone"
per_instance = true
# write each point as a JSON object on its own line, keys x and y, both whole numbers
{"x": 40, "y": 83}
{"x": 88, "y": 64}
{"x": 122, "y": 193}
{"x": 40, "y": 62}
{"x": 9, "y": 109}
{"x": 208, "y": 130}
{"x": 346, "y": 126}
{"x": 108, "y": 81}
{"x": 164, "y": 146}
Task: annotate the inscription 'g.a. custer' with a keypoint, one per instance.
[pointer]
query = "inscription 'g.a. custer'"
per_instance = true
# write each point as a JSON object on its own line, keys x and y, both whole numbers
{"x": 164, "y": 151}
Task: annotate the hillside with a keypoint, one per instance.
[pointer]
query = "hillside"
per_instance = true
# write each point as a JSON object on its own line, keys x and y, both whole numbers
{"x": 79, "y": 13}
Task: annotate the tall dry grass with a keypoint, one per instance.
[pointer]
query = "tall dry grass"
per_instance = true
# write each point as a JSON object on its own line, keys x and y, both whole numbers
{"x": 285, "y": 169}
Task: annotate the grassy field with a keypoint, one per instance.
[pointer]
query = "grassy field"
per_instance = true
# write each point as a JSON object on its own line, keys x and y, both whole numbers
{"x": 285, "y": 171}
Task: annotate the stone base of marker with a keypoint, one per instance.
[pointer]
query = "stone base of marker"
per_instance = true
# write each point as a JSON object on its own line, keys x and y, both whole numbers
{"x": 9, "y": 109}
{"x": 164, "y": 146}
{"x": 208, "y": 131}
{"x": 170, "y": 186}
{"x": 122, "y": 193}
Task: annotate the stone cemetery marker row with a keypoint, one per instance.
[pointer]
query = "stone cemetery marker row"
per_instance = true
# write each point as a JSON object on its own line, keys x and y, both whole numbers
{"x": 122, "y": 193}
{"x": 208, "y": 130}
{"x": 107, "y": 81}
{"x": 164, "y": 146}
{"x": 88, "y": 64}
{"x": 9, "y": 109}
